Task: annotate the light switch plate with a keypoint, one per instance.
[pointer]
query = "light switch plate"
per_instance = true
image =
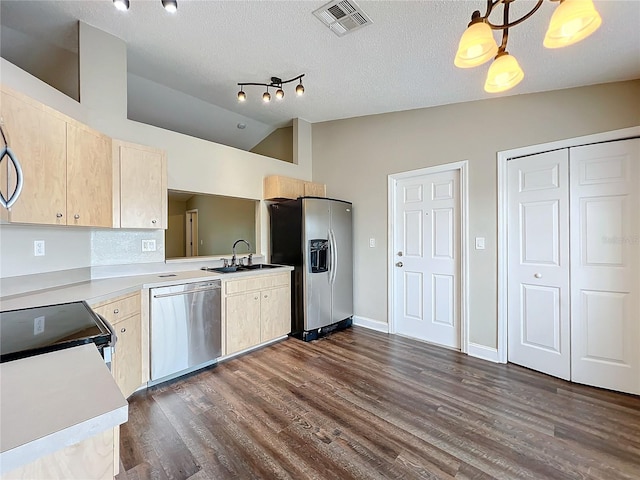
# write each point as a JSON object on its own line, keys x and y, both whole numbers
{"x": 372, "y": 242}
{"x": 479, "y": 243}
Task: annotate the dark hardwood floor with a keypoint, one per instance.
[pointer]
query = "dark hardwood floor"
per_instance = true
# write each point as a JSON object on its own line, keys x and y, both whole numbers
{"x": 365, "y": 405}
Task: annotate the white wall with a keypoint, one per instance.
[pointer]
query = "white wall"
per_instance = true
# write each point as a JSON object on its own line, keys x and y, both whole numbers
{"x": 194, "y": 165}
{"x": 355, "y": 156}
{"x": 155, "y": 104}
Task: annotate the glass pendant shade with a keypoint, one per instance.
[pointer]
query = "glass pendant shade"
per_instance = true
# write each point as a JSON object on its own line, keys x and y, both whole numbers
{"x": 476, "y": 47}
{"x": 572, "y": 21}
{"x": 242, "y": 96}
{"x": 300, "y": 89}
{"x": 504, "y": 73}
{"x": 266, "y": 97}
{"x": 280, "y": 94}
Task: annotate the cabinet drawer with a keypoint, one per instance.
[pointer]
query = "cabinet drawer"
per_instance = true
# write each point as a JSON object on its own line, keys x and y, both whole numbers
{"x": 256, "y": 283}
{"x": 119, "y": 308}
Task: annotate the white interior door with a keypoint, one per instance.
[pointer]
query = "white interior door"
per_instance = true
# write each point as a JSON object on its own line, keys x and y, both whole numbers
{"x": 605, "y": 276}
{"x": 538, "y": 294}
{"x": 427, "y": 258}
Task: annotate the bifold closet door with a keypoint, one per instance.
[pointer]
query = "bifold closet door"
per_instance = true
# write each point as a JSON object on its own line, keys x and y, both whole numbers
{"x": 605, "y": 265}
{"x": 538, "y": 255}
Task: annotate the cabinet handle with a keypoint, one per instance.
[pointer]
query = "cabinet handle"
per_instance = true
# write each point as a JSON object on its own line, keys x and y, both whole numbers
{"x": 76, "y": 216}
{"x": 116, "y": 311}
{"x": 153, "y": 221}
{"x": 266, "y": 296}
{"x": 123, "y": 329}
{"x": 58, "y": 215}
{"x": 256, "y": 298}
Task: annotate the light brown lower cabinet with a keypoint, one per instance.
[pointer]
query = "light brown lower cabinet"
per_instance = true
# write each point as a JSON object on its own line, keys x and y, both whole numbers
{"x": 124, "y": 315}
{"x": 92, "y": 458}
{"x": 257, "y": 310}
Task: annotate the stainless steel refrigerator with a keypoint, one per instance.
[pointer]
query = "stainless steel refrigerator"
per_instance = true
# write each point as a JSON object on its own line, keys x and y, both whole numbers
{"x": 314, "y": 235}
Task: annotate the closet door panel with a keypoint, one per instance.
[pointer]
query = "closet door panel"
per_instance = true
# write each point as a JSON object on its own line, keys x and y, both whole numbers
{"x": 605, "y": 265}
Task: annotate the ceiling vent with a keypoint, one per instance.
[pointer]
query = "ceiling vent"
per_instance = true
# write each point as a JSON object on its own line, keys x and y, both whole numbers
{"x": 342, "y": 16}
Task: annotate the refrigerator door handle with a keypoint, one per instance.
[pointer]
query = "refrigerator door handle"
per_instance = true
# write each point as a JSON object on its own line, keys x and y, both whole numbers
{"x": 333, "y": 247}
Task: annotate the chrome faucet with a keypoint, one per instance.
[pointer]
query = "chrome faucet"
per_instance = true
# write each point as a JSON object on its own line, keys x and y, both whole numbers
{"x": 233, "y": 259}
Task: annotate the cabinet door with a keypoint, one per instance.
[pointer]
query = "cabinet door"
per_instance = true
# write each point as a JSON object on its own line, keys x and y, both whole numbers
{"x": 275, "y": 309}
{"x": 276, "y": 186}
{"x": 37, "y": 136}
{"x": 143, "y": 187}
{"x": 127, "y": 357}
{"x": 89, "y": 177}
{"x": 312, "y": 189}
{"x": 242, "y": 321}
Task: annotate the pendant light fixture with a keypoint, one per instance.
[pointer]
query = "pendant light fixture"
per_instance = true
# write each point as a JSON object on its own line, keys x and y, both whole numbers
{"x": 275, "y": 83}
{"x": 572, "y": 21}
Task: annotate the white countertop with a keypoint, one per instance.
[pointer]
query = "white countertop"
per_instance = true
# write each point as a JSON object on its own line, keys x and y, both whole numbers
{"x": 54, "y": 400}
{"x": 95, "y": 291}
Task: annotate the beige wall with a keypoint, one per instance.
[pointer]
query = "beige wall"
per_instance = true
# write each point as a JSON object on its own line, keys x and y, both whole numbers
{"x": 222, "y": 221}
{"x": 355, "y": 156}
{"x": 278, "y": 144}
{"x": 175, "y": 233}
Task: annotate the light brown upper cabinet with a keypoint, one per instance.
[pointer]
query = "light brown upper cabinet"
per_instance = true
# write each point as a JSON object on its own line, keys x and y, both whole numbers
{"x": 67, "y": 166}
{"x": 278, "y": 187}
{"x": 89, "y": 177}
{"x": 38, "y": 137}
{"x": 143, "y": 186}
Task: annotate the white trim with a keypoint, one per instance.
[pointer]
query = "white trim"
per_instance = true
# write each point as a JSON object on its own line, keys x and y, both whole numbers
{"x": 481, "y": 351}
{"x": 371, "y": 324}
{"x": 392, "y": 180}
{"x": 502, "y": 158}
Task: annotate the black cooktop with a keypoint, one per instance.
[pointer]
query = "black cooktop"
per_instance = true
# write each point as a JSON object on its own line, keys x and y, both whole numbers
{"x": 32, "y": 331}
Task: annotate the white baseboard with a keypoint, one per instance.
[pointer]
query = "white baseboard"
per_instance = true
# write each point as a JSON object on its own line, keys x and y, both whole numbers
{"x": 370, "y": 323}
{"x": 483, "y": 352}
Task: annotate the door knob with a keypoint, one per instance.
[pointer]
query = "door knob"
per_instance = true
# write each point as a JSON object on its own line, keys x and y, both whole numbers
{"x": 76, "y": 216}
{"x": 537, "y": 275}
{"x": 58, "y": 215}
{"x": 399, "y": 254}
{"x": 399, "y": 264}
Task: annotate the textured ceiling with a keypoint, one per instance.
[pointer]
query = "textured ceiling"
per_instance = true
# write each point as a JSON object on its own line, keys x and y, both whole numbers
{"x": 404, "y": 60}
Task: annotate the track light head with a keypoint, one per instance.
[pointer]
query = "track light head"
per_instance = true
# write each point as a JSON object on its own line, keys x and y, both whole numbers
{"x": 300, "y": 88}
{"x": 266, "y": 96}
{"x": 279, "y": 94}
{"x": 170, "y": 6}
{"x": 241, "y": 95}
{"x": 122, "y": 5}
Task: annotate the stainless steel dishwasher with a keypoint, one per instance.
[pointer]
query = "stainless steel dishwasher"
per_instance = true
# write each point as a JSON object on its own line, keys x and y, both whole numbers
{"x": 185, "y": 328}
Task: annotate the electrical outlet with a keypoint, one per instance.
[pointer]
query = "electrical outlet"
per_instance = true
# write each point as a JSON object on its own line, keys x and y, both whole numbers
{"x": 372, "y": 242}
{"x": 148, "y": 245}
{"x": 38, "y": 325}
{"x": 38, "y": 248}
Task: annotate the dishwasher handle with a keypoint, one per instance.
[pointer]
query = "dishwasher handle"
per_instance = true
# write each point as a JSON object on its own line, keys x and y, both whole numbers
{"x": 187, "y": 292}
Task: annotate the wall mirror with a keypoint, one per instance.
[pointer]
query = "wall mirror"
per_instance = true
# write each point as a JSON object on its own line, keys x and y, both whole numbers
{"x": 208, "y": 225}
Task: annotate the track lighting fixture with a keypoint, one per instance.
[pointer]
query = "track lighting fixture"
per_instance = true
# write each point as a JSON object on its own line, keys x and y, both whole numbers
{"x": 572, "y": 21}
{"x": 170, "y": 6}
{"x": 275, "y": 83}
{"x": 122, "y": 5}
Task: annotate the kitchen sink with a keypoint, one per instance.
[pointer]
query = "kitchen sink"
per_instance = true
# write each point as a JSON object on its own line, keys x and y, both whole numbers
{"x": 240, "y": 268}
{"x": 258, "y": 266}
